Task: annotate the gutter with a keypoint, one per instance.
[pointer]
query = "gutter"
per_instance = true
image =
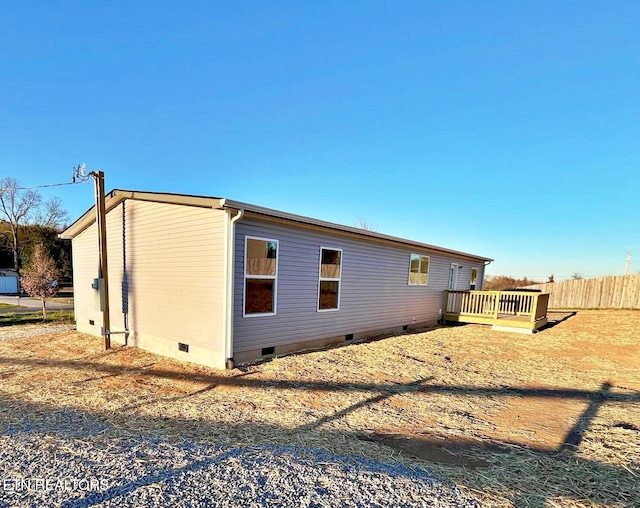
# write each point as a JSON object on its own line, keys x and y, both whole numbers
{"x": 117, "y": 195}
{"x": 371, "y": 235}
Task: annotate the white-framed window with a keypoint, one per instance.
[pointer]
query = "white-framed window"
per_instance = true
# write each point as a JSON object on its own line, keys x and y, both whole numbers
{"x": 260, "y": 276}
{"x": 418, "y": 270}
{"x": 329, "y": 279}
{"x": 474, "y": 278}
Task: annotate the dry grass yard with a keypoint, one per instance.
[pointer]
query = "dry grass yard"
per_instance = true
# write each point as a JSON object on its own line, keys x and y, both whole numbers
{"x": 551, "y": 419}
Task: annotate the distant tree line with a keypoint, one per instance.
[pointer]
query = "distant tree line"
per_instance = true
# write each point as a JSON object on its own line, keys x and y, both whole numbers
{"x": 29, "y": 238}
{"x": 28, "y": 221}
{"x": 502, "y": 282}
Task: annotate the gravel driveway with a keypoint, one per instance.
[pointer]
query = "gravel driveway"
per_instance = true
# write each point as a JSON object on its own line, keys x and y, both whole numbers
{"x": 67, "y": 459}
{"x": 17, "y": 332}
{"x": 73, "y": 458}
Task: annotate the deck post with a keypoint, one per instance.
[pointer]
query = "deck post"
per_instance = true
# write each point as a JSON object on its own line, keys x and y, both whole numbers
{"x": 534, "y": 308}
{"x": 445, "y": 307}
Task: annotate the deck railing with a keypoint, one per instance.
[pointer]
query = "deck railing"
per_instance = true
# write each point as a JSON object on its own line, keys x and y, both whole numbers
{"x": 497, "y": 304}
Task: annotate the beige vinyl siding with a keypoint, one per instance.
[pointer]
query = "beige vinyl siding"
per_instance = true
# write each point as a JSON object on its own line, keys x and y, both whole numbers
{"x": 85, "y": 269}
{"x": 374, "y": 294}
{"x": 166, "y": 278}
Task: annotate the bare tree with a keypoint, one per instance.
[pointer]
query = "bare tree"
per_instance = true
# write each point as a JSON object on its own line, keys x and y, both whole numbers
{"x": 363, "y": 223}
{"x": 15, "y": 206}
{"x": 41, "y": 278}
{"x": 51, "y": 214}
{"x": 19, "y": 207}
{"x": 577, "y": 276}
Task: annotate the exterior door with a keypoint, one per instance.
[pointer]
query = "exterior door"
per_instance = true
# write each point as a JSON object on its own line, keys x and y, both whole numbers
{"x": 453, "y": 276}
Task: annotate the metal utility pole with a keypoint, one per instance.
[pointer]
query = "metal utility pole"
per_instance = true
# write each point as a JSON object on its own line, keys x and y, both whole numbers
{"x": 626, "y": 266}
{"x": 103, "y": 272}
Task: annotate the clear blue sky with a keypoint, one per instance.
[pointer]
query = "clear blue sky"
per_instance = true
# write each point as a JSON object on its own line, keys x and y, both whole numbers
{"x": 508, "y": 129}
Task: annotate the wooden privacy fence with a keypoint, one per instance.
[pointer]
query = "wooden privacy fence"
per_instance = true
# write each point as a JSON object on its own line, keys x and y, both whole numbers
{"x": 613, "y": 292}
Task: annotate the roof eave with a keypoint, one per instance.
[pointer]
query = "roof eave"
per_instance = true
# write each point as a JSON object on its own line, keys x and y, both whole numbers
{"x": 237, "y": 205}
{"x": 116, "y": 196}
{"x": 88, "y": 218}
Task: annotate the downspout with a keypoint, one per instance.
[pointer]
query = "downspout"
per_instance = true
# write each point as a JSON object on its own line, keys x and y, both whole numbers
{"x": 229, "y": 289}
{"x": 484, "y": 270}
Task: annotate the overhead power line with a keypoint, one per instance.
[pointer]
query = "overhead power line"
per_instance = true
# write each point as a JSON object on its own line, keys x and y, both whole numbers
{"x": 39, "y": 186}
{"x": 78, "y": 176}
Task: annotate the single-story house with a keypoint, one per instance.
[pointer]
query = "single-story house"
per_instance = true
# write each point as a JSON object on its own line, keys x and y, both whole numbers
{"x": 220, "y": 282}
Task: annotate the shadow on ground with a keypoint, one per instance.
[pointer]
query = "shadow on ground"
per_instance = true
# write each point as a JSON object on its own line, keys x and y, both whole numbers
{"x": 555, "y": 317}
{"x": 548, "y": 469}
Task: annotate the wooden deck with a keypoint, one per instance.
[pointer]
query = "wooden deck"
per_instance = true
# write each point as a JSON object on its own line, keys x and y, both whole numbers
{"x": 519, "y": 311}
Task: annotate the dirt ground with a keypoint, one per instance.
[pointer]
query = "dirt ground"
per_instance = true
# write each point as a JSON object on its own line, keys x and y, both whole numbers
{"x": 551, "y": 419}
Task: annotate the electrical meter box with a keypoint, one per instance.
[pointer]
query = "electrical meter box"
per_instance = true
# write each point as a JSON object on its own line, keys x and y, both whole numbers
{"x": 98, "y": 294}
